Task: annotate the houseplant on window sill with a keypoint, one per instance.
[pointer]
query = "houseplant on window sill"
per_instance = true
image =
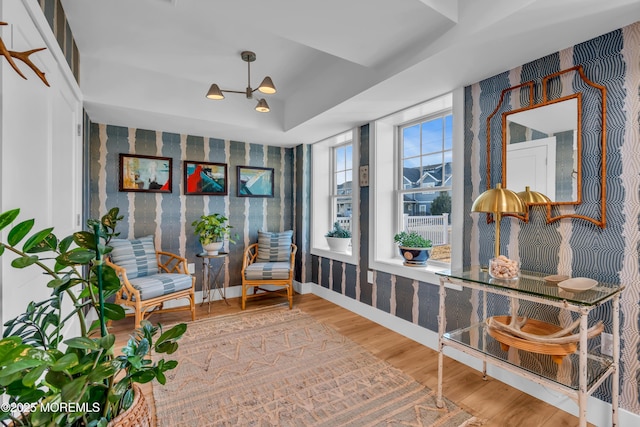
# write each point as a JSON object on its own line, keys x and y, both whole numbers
{"x": 212, "y": 230}
{"x": 79, "y": 381}
{"x": 414, "y": 248}
{"x": 338, "y": 238}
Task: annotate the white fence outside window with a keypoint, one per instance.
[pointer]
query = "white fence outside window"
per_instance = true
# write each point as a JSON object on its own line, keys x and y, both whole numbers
{"x": 345, "y": 222}
{"x": 433, "y": 227}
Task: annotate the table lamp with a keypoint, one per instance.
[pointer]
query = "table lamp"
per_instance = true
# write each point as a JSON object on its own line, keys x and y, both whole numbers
{"x": 533, "y": 197}
{"x": 498, "y": 201}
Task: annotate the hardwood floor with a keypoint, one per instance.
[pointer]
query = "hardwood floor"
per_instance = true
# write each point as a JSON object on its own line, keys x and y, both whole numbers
{"x": 491, "y": 400}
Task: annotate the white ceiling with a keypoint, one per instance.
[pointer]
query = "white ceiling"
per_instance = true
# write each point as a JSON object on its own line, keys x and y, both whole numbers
{"x": 335, "y": 63}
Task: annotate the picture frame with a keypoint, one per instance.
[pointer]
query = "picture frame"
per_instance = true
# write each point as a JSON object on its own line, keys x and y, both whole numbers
{"x": 254, "y": 181}
{"x": 205, "y": 179}
{"x": 147, "y": 174}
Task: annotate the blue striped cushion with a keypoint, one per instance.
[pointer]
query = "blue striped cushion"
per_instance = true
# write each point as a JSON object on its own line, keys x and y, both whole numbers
{"x": 274, "y": 247}
{"x": 267, "y": 270}
{"x": 161, "y": 284}
{"x": 137, "y": 256}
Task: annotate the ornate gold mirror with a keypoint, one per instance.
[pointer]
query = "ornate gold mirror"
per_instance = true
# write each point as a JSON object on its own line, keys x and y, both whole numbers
{"x": 540, "y": 145}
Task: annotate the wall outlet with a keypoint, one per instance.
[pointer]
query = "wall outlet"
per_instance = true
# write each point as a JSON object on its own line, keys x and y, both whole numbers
{"x": 192, "y": 268}
{"x": 606, "y": 344}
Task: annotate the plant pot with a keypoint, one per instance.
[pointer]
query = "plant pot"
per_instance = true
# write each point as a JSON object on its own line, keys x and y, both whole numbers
{"x": 213, "y": 248}
{"x": 338, "y": 244}
{"x": 138, "y": 415}
{"x": 415, "y": 257}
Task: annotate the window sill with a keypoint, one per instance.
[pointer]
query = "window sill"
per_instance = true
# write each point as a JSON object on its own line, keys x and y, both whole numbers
{"x": 346, "y": 257}
{"x": 396, "y": 267}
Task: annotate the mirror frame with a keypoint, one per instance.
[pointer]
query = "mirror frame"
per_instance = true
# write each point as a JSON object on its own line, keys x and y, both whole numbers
{"x": 530, "y": 86}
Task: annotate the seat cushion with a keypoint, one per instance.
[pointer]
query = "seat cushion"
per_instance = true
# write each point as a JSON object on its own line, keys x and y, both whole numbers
{"x": 267, "y": 270}
{"x": 137, "y": 256}
{"x": 274, "y": 247}
{"x": 161, "y": 284}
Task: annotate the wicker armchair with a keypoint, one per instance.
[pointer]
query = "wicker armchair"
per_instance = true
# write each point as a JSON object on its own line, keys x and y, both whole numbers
{"x": 150, "y": 278}
{"x": 269, "y": 262}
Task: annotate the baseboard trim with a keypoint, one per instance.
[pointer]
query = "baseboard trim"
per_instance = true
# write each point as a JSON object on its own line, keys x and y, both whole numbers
{"x": 599, "y": 412}
{"x": 233, "y": 292}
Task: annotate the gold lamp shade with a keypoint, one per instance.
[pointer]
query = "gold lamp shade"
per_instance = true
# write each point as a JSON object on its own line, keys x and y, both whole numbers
{"x": 533, "y": 197}
{"x": 499, "y": 201}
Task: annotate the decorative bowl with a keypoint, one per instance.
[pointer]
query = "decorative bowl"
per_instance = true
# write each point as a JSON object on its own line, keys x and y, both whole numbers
{"x": 537, "y": 327}
{"x": 554, "y": 279}
{"x": 577, "y": 284}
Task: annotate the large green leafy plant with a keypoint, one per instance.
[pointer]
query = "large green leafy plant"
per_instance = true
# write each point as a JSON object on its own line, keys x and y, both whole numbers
{"x": 212, "y": 228}
{"x": 77, "y": 381}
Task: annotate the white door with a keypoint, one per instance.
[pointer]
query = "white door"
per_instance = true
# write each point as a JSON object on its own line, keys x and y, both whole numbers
{"x": 533, "y": 164}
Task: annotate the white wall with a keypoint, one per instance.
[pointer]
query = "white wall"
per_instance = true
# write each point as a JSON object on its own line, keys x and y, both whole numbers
{"x": 40, "y": 145}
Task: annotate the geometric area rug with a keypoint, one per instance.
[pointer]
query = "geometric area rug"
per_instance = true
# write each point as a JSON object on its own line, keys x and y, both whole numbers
{"x": 281, "y": 367}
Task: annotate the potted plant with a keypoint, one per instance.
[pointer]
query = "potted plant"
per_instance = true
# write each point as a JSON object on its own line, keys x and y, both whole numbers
{"x": 212, "y": 230}
{"x": 413, "y": 247}
{"x": 338, "y": 238}
{"x": 82, "y": 380}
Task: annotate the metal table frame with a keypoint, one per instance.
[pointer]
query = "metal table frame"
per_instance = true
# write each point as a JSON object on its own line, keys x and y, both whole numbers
{"x": 479, "y": 281}
{"x": 207, "y": 268}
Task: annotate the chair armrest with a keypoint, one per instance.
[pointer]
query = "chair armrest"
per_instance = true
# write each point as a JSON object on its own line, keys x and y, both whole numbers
{"x": 250, "y": 255}
{"x": 121, "y": 272}
{"x": 294, "y": 250}
{"x": 172, "y": 263}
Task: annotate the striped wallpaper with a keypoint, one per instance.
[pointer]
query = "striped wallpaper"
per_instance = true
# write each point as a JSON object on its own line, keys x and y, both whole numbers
{"x": 569, "y": 246}
{"x": 572, "y": 246}
{"x": 169, "y": 216}
{"x": 57, "y": 19}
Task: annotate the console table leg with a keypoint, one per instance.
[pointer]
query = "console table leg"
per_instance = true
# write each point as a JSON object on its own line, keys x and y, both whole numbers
{"x": 615, "y": 381}
{"x": 441, "y": 328}
{"x": 582, "y": 391}
{"x": 484, "y": 335}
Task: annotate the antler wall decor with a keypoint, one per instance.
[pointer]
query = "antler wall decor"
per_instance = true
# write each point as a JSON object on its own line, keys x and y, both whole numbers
{"x": 24, "y": 57}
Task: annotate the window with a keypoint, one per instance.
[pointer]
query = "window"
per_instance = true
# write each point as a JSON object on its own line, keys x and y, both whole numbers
{"x": 334, "y": 193}
{"x": 425, "y": 167}
{"x": 341, "y": 188}
{"x": 413, "y": 176}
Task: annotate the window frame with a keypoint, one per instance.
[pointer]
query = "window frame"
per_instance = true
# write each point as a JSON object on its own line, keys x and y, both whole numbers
{"x": 384, "y": 210}
{"x": 322, "y": 184}
{"x": 334, "y": 196}
{"x": 399, "y": 141}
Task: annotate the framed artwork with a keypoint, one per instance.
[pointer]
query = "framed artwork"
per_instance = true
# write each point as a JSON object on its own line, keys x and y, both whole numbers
{"x": 145, "y": 173}
{"x": 255, "y": 181}
{"x": 201, "y": 178}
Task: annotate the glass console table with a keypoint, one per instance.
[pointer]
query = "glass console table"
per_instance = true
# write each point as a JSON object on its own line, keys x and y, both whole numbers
{"x": 582, "y": 372}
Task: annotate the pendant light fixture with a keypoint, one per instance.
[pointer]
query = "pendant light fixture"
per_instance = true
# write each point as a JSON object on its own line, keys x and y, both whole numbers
{"x": 266, "y": 87}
